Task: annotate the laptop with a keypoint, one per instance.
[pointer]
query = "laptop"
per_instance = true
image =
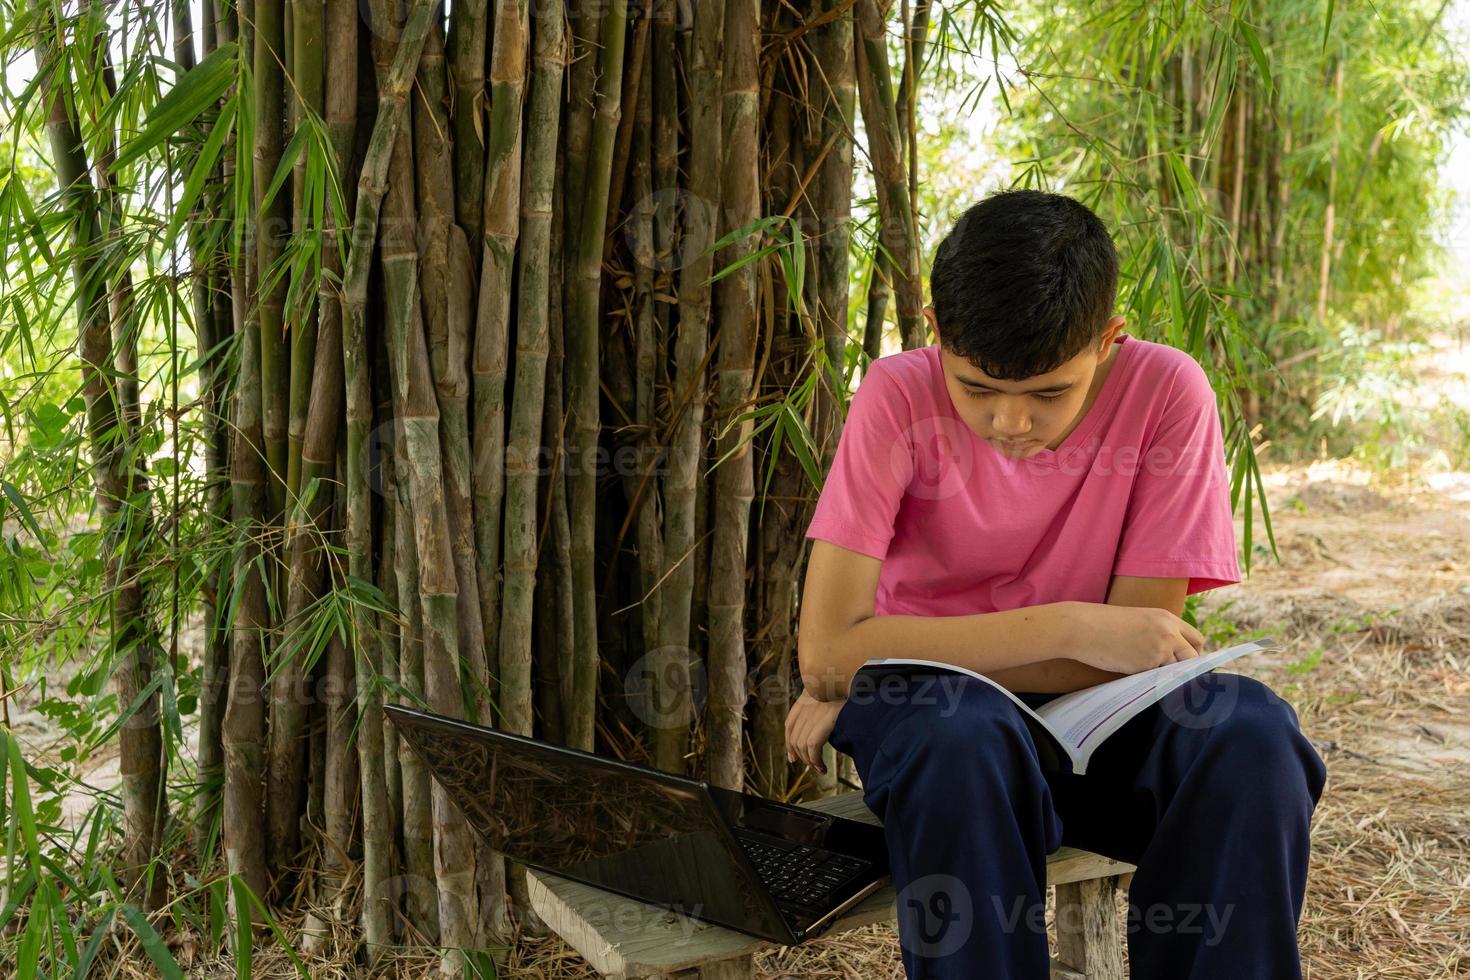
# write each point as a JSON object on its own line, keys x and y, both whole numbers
{"x": 771, "y": 870}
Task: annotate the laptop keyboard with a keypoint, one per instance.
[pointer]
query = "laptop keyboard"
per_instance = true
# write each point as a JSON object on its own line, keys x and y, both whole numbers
{"x": 797, "y": 874}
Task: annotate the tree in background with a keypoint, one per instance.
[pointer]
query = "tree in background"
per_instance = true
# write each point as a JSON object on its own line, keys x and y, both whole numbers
{"x": 1271, "y": 170}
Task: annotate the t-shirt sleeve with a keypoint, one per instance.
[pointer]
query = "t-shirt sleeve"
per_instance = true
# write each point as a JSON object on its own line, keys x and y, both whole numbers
{"x": 858, "y": 505}
{"x": 1178, "y": 522}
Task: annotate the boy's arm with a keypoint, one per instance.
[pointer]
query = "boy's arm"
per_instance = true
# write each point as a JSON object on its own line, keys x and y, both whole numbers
{"x": 1067, "y": 674}
{"x": 838, "y": 630}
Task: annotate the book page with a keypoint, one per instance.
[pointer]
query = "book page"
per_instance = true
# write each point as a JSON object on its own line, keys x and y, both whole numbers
{"x": 1082, "y": 720}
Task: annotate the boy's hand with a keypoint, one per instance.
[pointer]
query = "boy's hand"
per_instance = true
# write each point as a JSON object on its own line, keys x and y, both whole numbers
{"x": 808, "y": 724}
{"x": 1128, "y": 639}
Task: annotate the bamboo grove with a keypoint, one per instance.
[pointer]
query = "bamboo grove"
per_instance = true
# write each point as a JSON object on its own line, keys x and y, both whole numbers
{"x": 488, "y": 307}
{"x": 1273, "y": 171}
{"x": 486, "y": 358}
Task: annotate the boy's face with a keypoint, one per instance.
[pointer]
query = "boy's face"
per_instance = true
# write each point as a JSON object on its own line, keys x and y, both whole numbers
{"x": 1019, "y": 418}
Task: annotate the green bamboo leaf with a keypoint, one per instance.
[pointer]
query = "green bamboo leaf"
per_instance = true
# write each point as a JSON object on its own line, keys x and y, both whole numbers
{"x": 24, "y": 815}
{"x": 20, "y": 890}
{"x": 1327, "y": 23}
{"x": 1184, "y": 181}
{"x": 772, "y": 455}
{"x": 99, "y": 934}
{"x": 798, "y": 256}
{"x": 203, "y": 166}
{"x": 18, "y": 501}
{"x": 153, "y": 943}
{"x": 762, "y": 224}
{"x": 170, "y": 711}
{"x": 288, "y": 161}
{"x": 28, "y": 956}
{"x": 1248, "y": 451}
{"x": 218, "y": 911}
{"x": 1253, "y": 43}
{"x": 60, "y": 915}
{"x": 15, "y": 192}
{"x": 274, "y": 927}
{"x": 191, "y": 95}
{"x": 1237, "y": 469}
{"x": 803, "y": 445}
{"x": 1224, "y": 89}
{"x": 244, "y": 937}
{"x": 1265, "y": 511}
{"x": 742, "y": 261}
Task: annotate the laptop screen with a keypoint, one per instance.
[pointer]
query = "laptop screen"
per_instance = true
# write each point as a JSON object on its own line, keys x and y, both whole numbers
{"x": 623, "y": 828}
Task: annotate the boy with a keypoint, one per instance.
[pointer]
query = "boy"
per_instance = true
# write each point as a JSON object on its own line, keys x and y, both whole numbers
{"x": 1033, "y": 498}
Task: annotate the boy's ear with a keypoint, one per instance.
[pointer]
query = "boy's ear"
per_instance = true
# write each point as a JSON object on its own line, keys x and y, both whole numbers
{"x": 1110, "y": 332}
{"x": 933, "y": 320}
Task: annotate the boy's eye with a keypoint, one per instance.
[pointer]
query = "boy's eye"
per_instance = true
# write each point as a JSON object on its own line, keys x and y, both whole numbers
{"x": 980, "y": 393}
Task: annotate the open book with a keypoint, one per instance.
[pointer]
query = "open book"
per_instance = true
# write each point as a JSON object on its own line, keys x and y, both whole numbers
{"x": 1080, "y": 721}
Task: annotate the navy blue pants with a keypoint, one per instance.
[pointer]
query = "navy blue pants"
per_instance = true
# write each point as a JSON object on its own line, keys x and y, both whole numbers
{"x": 1209, "y": 792}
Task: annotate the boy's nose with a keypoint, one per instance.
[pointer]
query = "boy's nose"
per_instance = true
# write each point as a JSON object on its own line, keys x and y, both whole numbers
{"x": 1011, "y": 427}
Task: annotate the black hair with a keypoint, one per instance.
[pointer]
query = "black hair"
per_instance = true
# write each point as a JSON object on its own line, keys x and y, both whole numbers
{"x": 1024, "y": 282}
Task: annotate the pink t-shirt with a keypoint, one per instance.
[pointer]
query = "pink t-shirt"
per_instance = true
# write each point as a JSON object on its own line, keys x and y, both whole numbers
{"x": 1137, "y": 488}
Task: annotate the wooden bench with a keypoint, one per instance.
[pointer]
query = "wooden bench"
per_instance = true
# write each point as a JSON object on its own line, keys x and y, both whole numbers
{"x": 625, "y": 939}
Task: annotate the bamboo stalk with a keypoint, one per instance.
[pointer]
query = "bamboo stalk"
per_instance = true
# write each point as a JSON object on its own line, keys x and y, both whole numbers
{"x": 1329, "y": 218}
{"x": 582, "y": 345}
{"x": 916, "y": 31}
{"x": 468, "y": 25}
{"x": 780, "y": 545}
{"x": 447, "y": 283}
{"x": 632, "y": 82}
{"x": 501, "y": 227}
{"x": 643, "y": 498}
{"x": 896, "y": 229}
{"x": 667, "y": 92}
{"x": 243, "y": 729}
{"x": 686, "y": 452}
{"x": 121, "y": 493}
{"x": 586, "y": 22}
{"x": 341, "y": 784}
{"x": 553, "y": 614}
{"x": 778, "y": 533}
{"x": 555, "y": 523}
{"x": 448, "y": 291}
{"x": 529, "y": 392}
{"x": 216, "y": 323}
{"x": 244, "y": 721}
{"x": 392, "y": 95}
{"x": 418, "y": 415}
{"x": 418, "y": 809}
{"x": 306, "y": 547}
{"x": 308, "y": 45}
{"x": 314, "y": 408}
{"x": 272, "y": 228}
{"x": 833, "y": 50}
{"x": 734, "y": 485}
{"x": 877, "y": 305}
{"x": 1237, "y": 190}
{"x": 390, "y": 639}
